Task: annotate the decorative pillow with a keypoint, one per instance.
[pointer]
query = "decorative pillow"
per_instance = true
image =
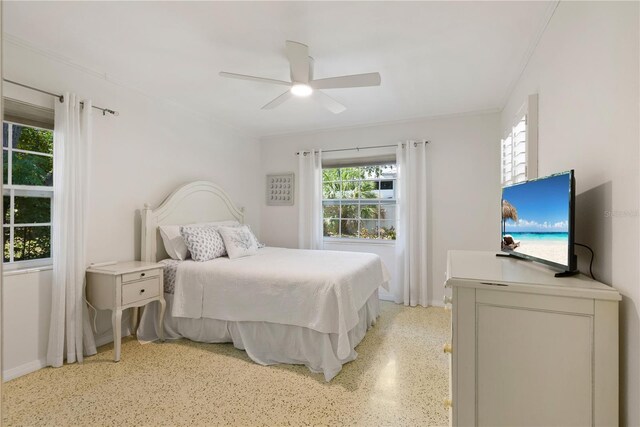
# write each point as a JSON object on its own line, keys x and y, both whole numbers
{"x": 260, "y": 245}
{"x": 174, "y": 242}
{"x": 203, "y": 241}
{"x": 239, "y": 241}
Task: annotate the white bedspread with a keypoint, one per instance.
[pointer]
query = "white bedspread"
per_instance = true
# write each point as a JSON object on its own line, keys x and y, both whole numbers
{"x": 320, "y": 290}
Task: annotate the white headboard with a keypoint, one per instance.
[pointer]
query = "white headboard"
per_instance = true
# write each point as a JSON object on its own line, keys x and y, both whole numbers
{"x": 199, "y": 201}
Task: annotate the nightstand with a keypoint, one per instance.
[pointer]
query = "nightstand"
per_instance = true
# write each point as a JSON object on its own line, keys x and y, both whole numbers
{"x": 123, "y": 285}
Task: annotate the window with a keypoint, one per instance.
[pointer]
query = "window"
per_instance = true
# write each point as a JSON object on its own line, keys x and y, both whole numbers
{"x": 359, "y": 202}
{"x": 519, "y": 146}
{"x": 27, "y": 156}
{"x": 514, "y": 154}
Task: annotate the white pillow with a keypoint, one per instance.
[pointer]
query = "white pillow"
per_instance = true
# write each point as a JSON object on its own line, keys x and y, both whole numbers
{"x": 174, "y": 242}
{"x": 203, "y": 241}
{"x": 260, "y": 245}
{"x": 239, "y": 241}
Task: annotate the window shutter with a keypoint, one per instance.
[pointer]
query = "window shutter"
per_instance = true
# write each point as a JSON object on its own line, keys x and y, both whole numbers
{"x": 520, "y": 151}
{"x": 507, "y": 160}
{"x": 519, "y": 148}
{"x": 514, "y": 154}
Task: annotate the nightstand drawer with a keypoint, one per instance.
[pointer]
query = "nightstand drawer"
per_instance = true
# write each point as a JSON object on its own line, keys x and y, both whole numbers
{"x": 139, "y": 291}
{"x": 132, "y": 277}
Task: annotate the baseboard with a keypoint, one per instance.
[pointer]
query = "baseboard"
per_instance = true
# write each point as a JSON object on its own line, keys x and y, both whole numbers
{"x": 27, "y": 368}
{"x": 389, "y": 297}
{"x": 104, "y": 339}
{"x": 385, "y": 296}
{"x": 107, "y": 337}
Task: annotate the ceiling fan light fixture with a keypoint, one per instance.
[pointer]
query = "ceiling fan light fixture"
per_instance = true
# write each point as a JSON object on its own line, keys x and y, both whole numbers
{"x": 301, "y": 89}
{"x": 302, "y": 83}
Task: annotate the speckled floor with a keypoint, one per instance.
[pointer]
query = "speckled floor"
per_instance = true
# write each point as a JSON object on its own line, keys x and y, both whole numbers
{"x": 399, "y": 378}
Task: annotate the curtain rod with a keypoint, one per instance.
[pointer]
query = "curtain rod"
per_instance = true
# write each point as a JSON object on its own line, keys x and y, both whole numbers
{"x": 415, "y": 144}
{"x": 61, "y": 98}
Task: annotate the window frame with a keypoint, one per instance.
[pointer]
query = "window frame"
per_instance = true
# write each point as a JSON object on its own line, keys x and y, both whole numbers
{"x": 379, "y": 202}
{"x": 528, "y": 113}
{"x": 10, "y": 190}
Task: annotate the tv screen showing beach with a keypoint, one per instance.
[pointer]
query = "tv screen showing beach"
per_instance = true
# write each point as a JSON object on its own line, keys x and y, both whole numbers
{"x": 535, "y": 218}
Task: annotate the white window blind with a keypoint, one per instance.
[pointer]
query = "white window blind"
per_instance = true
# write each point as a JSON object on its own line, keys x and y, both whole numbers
{"x": 519, "y": 146}
{"x": 514, "y": 154}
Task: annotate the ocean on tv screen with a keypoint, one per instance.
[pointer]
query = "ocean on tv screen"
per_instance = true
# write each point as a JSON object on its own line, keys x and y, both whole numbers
{"x": 535, "y": 218}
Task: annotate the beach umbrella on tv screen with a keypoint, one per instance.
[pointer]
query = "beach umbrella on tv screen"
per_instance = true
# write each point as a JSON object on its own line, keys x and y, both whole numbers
{"x": 509, "y": 211}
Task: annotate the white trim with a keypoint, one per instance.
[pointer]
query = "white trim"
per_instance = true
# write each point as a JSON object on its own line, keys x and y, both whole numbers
{"x": 358, "y": 241}
{"x": 532, "y": 136}
{"x": 28, "y": 224}
{"x": 26, "y": 125}
{"x": 35, "y": 365}
{"x": 37, "y": 153}
{"x": 26, "y": 267}
{"x": 383, "y": 295}
{"x": 12, "y": 212}
{"x": 107, "y": 336}
{"x": 436, "y": 303}
{"x": 13, "y": 191}
{"x": 29, "y": 191}
{"x": 528, "y": 112}
{"x": 27, "y": 368}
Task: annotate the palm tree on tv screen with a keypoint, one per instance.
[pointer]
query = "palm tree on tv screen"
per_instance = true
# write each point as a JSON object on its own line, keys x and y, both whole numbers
{"x": 508, "y": 212}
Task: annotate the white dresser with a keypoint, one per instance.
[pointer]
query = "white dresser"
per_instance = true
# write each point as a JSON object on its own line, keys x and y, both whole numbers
{"x": 530, "y": 349}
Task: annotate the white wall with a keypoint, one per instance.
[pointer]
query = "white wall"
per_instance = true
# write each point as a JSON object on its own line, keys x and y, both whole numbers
{"x": 463, "y": 172}
{"x": 139, "y": 156}
{"x": 25, "y": 319}
{"x": 585, "y": 70}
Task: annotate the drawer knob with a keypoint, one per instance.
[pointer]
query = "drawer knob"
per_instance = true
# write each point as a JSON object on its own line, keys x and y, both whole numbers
{"x": 141, "y": 291}
{"x": 447, "y": 348}
{"x": 447, "y": 300}
{"x": 142, "y": 274}
{"x": 448, "y": 403}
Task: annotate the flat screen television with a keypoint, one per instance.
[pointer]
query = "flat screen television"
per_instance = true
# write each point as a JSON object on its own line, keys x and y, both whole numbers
{"x": 538, "y": 219}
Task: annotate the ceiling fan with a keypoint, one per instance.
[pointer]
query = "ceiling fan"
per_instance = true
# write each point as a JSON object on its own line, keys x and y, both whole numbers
{"x": 302, "y": 83}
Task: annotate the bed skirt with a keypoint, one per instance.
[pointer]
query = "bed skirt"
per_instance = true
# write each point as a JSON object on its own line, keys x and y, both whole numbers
{"x": 265, "y": 343}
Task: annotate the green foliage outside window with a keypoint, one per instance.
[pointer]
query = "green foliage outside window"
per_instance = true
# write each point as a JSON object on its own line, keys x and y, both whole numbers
{"x": 28, "y": 169}
{"x": 354, "y": 205}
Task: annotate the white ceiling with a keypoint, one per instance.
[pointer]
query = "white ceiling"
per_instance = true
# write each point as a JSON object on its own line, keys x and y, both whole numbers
{"x": 435, "y": 58}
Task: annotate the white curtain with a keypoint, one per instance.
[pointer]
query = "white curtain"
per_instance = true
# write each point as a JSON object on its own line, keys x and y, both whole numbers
{"x": 411, "y": 241}
{"x": 310, "y": 200}
{"x": 70, "y": 331}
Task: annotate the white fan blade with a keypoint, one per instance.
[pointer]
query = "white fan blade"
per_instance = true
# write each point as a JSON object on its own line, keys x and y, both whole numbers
{"x": 298, "y": 55}
{"x": 279, "y": 100}
{"x": 356, "y": 80}
{"x": 328, "y": 102}
{"x": 253, "y": 78}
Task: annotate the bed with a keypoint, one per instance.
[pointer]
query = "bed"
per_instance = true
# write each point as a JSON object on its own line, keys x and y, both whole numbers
{"x": 279, "y": 305}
